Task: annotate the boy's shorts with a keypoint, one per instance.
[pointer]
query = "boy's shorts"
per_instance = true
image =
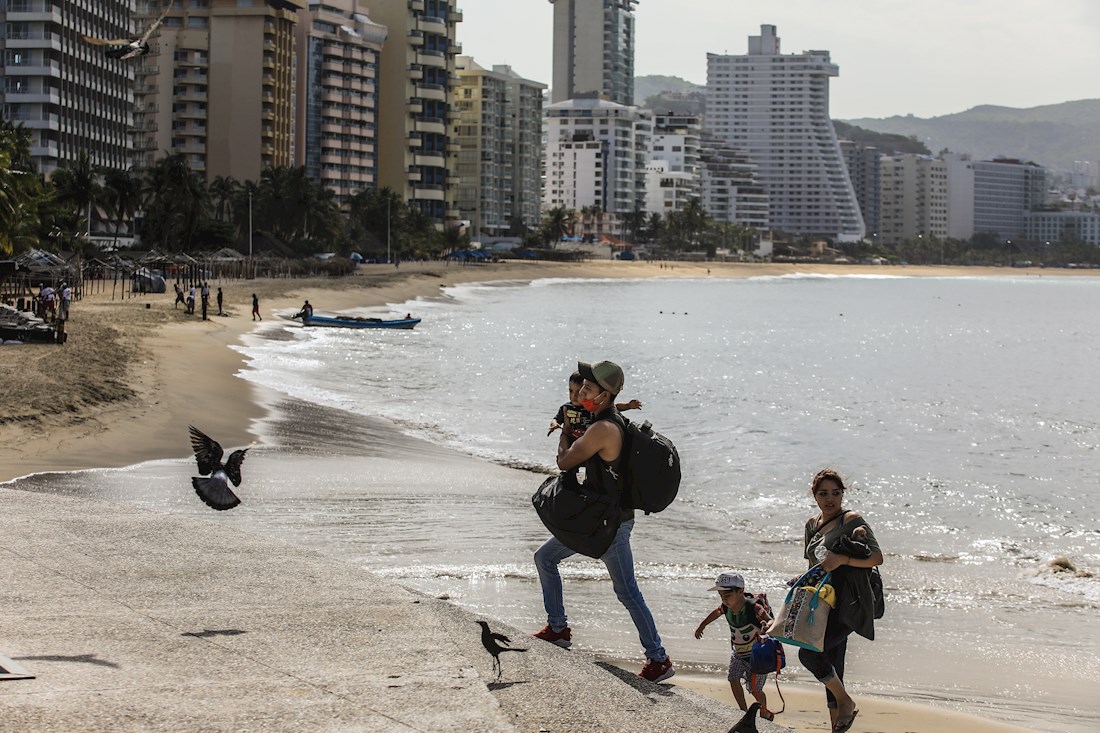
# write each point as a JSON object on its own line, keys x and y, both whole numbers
{"x": 739, "y": 670}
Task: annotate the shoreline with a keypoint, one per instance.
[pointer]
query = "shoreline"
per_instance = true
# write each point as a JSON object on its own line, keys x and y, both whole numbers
{"x": 151, "y": 424}
{"x": 158, "y": 349}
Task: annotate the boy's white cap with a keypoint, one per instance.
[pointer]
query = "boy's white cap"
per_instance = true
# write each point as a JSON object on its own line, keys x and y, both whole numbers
{"x": 727, "y": 581}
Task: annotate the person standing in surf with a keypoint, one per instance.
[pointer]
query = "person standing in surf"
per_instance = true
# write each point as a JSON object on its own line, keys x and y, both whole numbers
{"x": 599, "y": 451}
{"x": 825, "y": 535}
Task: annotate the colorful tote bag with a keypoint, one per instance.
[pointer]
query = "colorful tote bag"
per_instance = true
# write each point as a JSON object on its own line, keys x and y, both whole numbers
{"x": 805, "y": 612}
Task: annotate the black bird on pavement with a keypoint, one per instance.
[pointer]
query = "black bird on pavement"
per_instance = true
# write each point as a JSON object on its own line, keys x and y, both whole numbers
{"x": 747, "y": 724}
{"x": 215, "y": 490}
{"x": 492, "y": 643}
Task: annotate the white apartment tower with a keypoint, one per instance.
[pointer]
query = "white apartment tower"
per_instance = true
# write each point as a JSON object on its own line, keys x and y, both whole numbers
{"x": 594, "y": 50}
{"x": 67, "y": 93}
{"x": 672, "y": 174}
{"x": 336, "y": 114}
{"x": 499, "y": 148}
{"x": 731, "y": 192}
{"x": 913, "y": 199}
{"x": 775, "y": 107}
{"x": 596, "y": 153}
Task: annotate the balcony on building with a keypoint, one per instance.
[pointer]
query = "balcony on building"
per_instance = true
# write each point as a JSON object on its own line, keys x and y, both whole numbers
{"x": 416, "y": 6}
{"x": 436, "y": 92}
{"x": 431, "y": 124}
{"x": 431, "y": 24}
{"x": 430, "y": 160}
{"x": 429, "y": 191}
{"x": 415, "y": 71}
{"x": 32, "y": 11}
{"x": 431, "y": 57}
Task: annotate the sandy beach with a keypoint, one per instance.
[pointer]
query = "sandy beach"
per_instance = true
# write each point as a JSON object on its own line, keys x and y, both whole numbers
{"x": 136, "y": 372}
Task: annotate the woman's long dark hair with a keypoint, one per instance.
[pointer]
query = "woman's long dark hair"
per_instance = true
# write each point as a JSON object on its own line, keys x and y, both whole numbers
{"x": 827, "y": 474}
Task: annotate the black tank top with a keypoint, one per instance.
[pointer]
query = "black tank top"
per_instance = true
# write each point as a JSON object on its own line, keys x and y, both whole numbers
{"x": 605, "y": 477}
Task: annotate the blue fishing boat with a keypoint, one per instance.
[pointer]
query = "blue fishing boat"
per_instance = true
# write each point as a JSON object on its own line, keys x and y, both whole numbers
{"x": 358, "y": 322}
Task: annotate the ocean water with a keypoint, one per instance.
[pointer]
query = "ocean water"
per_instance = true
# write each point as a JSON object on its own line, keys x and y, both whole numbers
{"x": 963, "y": 412}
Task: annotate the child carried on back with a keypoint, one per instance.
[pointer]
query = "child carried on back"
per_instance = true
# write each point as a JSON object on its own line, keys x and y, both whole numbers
{"x": 746, "y": 616}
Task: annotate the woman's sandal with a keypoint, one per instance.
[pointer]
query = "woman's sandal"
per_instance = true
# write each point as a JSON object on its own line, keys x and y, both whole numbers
{"x": 767, "y": 714}
{"x": 843, "y": 724}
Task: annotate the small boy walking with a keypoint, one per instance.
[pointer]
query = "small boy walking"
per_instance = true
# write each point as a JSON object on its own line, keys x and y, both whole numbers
{"x": 746, "y": 618}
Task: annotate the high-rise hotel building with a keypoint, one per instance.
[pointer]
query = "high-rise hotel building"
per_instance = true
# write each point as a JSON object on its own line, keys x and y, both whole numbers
{"x": 776, "y": 108}
{"x": 336, "y": 125}
{"x": 593, "y": 50}
{"x": 416, "y": 105}
{"x": 218, "y": 86}
{"x": 596, "y": 155}
{"x": 67, "y": 93}
{"x": 498, "y": 147}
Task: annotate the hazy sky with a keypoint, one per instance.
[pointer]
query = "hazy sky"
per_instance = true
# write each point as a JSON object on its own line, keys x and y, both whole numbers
{"x": 925, "y": 57}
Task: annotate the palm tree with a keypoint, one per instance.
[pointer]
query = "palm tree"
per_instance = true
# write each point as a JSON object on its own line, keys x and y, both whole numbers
{"x": 122, "y": 193}
{"x": 27, "y": 208}
{"x": 177, "y": 203}
{"x": 654, "y": 227}
{"x": 223, "y": 190}
{"x": 78, "y": 183}
{"x": 558, "y": 222}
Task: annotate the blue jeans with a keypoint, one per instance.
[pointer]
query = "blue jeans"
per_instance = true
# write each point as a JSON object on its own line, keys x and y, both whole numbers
{"x": 620, "y": 564}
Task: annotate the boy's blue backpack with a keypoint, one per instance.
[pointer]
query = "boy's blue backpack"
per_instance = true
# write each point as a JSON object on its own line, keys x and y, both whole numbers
{"x": 651, "y": 466}
{"x": 767, "y": 656}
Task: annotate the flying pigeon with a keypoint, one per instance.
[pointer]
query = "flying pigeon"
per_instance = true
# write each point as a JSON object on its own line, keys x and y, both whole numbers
{"x": 215, "y": 490}
{"x": 125, "y": 49}
{"x": 492, "y": 643}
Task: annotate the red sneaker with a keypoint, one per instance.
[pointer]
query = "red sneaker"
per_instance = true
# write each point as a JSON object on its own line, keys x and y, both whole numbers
{"x": 563, "y": 638}
{"x": 655, "y": 671}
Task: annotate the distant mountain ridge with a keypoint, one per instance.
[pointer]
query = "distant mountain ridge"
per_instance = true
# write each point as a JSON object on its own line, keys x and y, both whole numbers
{"x": 1053, "y": 135}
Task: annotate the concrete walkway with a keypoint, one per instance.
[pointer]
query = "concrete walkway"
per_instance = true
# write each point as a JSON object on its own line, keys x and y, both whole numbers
{"x": 135, "y": 621}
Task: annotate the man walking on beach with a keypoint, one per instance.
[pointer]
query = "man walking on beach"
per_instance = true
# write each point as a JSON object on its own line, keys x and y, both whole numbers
{"x": 220, "y": 297}
{"x": 599, "y": 451}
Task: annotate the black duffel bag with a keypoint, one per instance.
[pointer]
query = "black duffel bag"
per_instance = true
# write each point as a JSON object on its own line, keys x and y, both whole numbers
{"x": 581, "y": 519}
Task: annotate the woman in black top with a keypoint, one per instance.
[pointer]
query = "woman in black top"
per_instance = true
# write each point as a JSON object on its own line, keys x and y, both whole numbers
{"x": 829, "y": 542}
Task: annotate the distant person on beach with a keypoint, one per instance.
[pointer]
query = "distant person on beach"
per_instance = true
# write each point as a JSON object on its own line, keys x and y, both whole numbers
{"x": 746, "y": 619}
{"x": 220, "y": 301}
{"x": 46, "y": 294}
{"x": 65, "y": 302}
{"x": 256, "y": 308}
{"x": 576, "y": 417}
{"x": 191, "y": 300}
{"x": 827, "y": 533}
{"x": 599, "y": 452}
{"x": 179, "y": 297}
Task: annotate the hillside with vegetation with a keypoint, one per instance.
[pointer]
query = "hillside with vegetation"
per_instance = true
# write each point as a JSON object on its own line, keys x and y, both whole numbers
{"x": 1052, "y": 135}
{"x": 885, "y": 142}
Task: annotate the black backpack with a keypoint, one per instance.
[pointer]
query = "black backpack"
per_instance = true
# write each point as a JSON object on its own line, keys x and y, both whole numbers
{"x": 651, "y": 465}
{"x": 581, "y": 519}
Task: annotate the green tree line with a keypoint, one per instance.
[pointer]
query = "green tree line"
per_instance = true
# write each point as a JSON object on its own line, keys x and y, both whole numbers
{"x": 174, "y": 209}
